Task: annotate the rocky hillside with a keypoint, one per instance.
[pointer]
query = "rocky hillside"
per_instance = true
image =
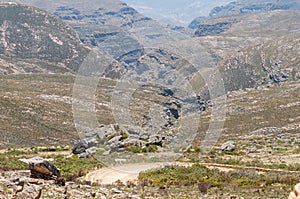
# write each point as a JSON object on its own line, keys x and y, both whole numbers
{"x": 34, "y": 41}
{"x": 249, "y": 50}
{"x": 112, "y": 26}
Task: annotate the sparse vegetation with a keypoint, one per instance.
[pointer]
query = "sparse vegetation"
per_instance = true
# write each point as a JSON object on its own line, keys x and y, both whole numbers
{"x": 236, "y": 181}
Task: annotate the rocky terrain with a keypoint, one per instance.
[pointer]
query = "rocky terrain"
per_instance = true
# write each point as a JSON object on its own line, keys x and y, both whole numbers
{"x": 130, "y": 90}
{"x": 19, "y": 184}
{"x": 33, "y": 41}
{"x": 111, "y": 23}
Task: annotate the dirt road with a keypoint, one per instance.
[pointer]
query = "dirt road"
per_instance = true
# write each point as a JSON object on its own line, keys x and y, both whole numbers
{"x": 109, "y": 175}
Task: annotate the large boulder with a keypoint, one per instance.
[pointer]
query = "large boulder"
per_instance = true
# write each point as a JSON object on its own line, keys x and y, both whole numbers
{"x": 41, "y": 168}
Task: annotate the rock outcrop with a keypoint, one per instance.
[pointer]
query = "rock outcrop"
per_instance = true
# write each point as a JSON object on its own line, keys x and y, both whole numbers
{"x": 228, "y": 146}
{"x": 213, "y": 29}
{"x": 41, "y": 168}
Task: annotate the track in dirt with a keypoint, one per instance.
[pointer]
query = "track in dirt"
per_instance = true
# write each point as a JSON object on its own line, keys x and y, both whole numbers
{"x": 125, "y": 173}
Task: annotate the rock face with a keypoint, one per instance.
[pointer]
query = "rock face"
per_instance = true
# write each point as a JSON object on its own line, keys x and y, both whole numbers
{"x": 196, "y": 22}
{"x": 28, "y": 33}
{"x": 214, "y": 29}
{"x": 41, "y": 168}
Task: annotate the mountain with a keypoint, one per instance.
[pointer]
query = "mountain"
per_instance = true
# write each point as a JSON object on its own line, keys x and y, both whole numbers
{"x": 175, "y": 12}
{"x": 247, "y": 7}
{"x": 253, "y": 49}
{"x": 254, "y": 6}
{"x": 111, "y": 26}
{"x": 33, "y": 41}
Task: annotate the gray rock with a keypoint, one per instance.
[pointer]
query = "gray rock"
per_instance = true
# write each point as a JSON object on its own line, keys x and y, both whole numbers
{"x": 89, "y": 152}
{"x": 155, "y": 140}
{"x": 228, "y": 146}
{"x": 106, "y": 153}
{"x": 133, "y": 141}
{"x": 297, "y": 141}
{"x": 79, "y": 148}
{"x": 91, "y": 142}
{"x": 115, "y": 139}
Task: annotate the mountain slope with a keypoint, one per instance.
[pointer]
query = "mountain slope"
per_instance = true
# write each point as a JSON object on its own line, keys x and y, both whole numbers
{"x": 247, "y": 51}
{"x": 111, "y": 25}
{"x": 248, "y": 7}
{"x": 31, "y": 40}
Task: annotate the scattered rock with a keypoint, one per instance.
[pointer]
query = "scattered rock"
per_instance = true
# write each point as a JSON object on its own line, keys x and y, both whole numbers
{"x": 29, "y": 192}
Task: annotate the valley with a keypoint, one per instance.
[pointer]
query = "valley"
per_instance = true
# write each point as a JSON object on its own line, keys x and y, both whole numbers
{"x": 103, "y": 92}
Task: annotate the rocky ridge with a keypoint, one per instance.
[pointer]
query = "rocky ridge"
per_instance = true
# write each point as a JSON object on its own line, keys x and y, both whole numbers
{"x": 112, "y": 27}
{"x": 246, "y": 7}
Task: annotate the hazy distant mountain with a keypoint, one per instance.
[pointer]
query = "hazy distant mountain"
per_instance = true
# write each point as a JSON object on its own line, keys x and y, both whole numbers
{"x": 247, "y": 7}
{"x": 178, "y": 12}
{"x": 254, "y": 6}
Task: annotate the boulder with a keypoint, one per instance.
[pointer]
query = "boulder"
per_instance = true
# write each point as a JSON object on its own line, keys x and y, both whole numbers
{"x": 135, "y": 142}
{"x": 228, "y": 146}
{"x": 41, "y": 168}
{"x": 79, "y": 147}
{"x": 155, "y": 140}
